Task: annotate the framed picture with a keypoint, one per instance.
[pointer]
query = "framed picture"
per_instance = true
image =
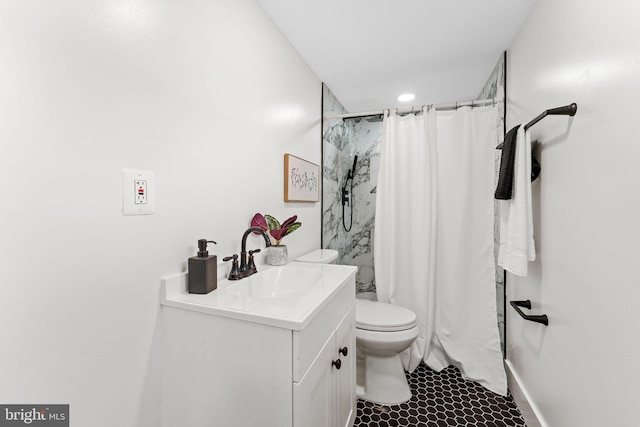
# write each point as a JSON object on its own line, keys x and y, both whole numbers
{"x": 301, "y": 180}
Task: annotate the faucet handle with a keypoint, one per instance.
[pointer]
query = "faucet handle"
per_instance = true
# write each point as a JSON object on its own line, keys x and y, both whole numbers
{"x": 234, "y": 274}
{"x": 251, "y": 264}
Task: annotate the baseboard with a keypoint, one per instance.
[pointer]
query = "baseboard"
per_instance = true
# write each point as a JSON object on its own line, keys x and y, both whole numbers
{"x": 529, "y": 411}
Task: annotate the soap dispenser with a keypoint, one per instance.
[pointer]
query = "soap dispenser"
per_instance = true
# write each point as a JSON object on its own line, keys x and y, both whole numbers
{"x": 203, "y": 270}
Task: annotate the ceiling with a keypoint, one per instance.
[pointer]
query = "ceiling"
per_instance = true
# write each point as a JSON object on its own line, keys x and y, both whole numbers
{"x": 370, "y": 51}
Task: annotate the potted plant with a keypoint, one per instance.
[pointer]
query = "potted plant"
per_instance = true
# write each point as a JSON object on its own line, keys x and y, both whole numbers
{"x": 277, "y": 253}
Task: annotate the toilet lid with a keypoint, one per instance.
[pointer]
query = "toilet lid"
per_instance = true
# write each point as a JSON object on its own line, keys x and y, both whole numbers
{"x": 320, "y": 256}
{"x": 378, "y": 316}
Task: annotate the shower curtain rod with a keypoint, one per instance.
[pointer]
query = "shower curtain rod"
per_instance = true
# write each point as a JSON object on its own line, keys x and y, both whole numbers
{"x": 411, "y": 109}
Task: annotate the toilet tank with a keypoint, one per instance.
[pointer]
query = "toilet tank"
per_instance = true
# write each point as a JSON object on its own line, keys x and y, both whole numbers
{"x": 320, "y": 256}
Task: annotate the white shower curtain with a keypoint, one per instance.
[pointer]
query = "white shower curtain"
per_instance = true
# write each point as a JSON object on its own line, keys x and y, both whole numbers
{"x": 433, "y": 241}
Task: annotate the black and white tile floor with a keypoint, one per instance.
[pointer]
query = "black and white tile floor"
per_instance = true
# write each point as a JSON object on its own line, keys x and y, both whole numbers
{"x": 442, "y": 399}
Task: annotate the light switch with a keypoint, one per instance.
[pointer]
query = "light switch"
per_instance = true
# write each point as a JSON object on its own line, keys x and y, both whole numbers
{"x": 138, "y": 192}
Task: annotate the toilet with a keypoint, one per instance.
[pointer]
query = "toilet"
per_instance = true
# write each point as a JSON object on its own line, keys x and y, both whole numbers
{"x": 382, "y": 332}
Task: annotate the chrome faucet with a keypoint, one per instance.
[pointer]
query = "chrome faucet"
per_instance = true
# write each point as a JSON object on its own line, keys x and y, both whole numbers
{"x": 247, "y": 267}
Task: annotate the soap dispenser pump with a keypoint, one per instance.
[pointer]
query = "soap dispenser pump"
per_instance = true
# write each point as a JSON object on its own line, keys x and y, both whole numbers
{"x": 203, "y": 270}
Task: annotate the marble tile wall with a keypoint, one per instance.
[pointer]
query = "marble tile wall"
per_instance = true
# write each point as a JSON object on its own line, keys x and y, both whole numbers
{"x": 343, "y": 140}
{"x": 335, "y": 138}
{"x": 367, "y": 135}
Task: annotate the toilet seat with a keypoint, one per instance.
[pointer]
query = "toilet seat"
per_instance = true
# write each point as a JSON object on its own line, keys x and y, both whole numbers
{"x": 381, "y": 317}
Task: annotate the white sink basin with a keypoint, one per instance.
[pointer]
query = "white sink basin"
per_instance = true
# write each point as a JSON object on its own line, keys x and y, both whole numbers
{"x": 277, "y": 282}
{"x": 286, "y": 297}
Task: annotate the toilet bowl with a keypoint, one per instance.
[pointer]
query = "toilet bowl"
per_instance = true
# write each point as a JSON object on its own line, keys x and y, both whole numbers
{"x": 382, "y": 332}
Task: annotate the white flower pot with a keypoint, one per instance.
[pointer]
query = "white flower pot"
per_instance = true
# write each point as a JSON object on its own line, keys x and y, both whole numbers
{"x": 277, "y": 255}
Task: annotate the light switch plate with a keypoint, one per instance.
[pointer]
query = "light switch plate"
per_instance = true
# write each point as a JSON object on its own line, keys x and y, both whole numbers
{"x": 138, "y": 192}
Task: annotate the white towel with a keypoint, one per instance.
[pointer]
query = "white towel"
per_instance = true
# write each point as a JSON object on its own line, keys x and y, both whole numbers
{"x": 517, "y": 247}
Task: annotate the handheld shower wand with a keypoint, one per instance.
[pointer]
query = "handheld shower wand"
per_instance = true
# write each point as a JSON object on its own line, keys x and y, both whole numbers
{"x": 345, "y": 194}
{"x": 352, "y": 172}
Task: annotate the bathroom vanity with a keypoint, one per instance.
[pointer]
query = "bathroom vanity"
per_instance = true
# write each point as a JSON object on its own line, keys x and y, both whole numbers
{"x": 275, "y": 349}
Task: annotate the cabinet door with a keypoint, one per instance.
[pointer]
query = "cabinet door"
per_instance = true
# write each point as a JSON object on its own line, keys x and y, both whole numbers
{"x": 346, "y": 375}
{"x": 314, "y": 396}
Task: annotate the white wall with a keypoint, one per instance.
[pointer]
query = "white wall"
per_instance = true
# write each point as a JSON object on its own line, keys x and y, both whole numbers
{"x": 209, "y": 96}
{"x": 581, "y": 370}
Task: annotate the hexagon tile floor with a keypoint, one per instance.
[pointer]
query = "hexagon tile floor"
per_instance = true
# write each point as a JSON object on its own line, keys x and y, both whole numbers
{"x": 442, "y": 399}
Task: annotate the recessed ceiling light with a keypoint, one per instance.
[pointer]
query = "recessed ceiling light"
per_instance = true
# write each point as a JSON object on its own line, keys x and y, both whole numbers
{"x": 406, "y": 97}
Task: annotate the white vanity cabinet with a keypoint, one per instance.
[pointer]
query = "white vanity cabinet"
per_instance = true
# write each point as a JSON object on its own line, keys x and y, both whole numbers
{"x": 325, "y": 395}
{"x": 227, "y": 369}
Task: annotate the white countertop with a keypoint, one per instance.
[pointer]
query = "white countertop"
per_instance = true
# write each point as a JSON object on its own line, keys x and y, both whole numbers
{"x": 289, "y": 312}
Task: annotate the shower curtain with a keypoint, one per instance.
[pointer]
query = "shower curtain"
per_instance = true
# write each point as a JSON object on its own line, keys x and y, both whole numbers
{"x": 433, "y": 243}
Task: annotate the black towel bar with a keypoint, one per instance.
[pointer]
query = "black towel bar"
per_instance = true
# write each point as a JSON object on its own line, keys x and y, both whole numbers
{"x": 567, "y": 110}
{"x": 541, "y": 318}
